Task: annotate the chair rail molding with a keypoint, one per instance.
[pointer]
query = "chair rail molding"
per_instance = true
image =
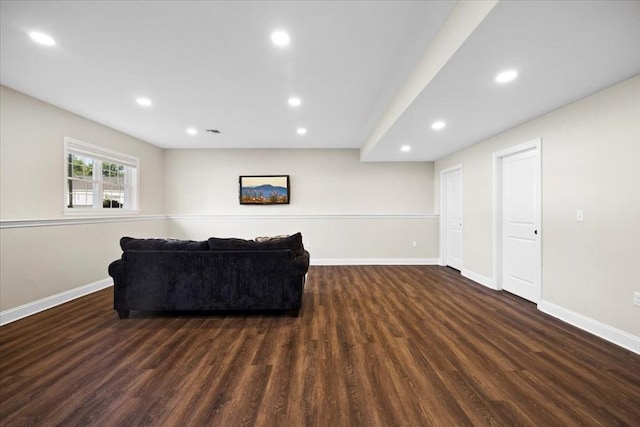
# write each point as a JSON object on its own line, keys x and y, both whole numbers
{"x": 52, "y": 222}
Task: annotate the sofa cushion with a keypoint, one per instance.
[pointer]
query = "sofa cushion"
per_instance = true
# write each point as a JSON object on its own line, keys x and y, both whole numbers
{"x": 131, "y": 244}
{"x": 293, "y": 242}
{"x": 231, "y": 244}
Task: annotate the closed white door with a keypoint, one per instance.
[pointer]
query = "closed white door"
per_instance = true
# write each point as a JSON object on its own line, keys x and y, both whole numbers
{"x": 453, "y": 218}
{"x": 520, "y": 215}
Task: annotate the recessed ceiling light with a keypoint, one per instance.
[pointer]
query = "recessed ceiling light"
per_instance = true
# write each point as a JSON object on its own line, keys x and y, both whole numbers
{"x": 294, "y": 101}
{"x": 192, "y": 131}
{"x": 506, "y": 76}
{"x": 280, "y": 38}
{"x": 301, "y": 131}
{"x": 42, "y": 38}
{"x": 438, "y": 125}
{"x": 145, "y": 102}
{"x": 405, "y": 148}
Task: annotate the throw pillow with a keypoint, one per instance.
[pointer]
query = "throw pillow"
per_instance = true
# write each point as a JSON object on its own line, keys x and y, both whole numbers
{"x": 264, "y": 239}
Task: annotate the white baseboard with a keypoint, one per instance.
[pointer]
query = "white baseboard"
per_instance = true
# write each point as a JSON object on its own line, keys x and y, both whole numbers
{"x": 17, "y": 313}
{"x": 478, "y": 278}
{"x": 604, "y": 331}
{"x": 374, "y": 261}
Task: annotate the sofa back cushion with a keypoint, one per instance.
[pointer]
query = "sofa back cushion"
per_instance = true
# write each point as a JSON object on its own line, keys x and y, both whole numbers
{"x": 293, "y": 242}
{"x": 131, "y": 244}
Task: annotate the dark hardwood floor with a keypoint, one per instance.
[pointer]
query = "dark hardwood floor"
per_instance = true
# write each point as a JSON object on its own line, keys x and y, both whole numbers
{"x": 373, "y": 346}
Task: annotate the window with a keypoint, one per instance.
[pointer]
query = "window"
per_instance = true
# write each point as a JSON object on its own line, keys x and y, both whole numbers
{"x": 98, "y": 180}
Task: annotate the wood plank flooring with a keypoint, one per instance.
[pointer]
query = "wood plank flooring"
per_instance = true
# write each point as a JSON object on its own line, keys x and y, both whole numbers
{"x": 373, "y": 346}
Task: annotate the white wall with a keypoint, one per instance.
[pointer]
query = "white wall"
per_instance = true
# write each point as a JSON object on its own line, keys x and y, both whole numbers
{"x": 347, "y": 211}
{"x": 590, "y": 161}
{"x": 40, "y": 258}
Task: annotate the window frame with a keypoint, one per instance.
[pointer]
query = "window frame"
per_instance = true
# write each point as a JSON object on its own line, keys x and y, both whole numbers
{"x": 100, "y": 155}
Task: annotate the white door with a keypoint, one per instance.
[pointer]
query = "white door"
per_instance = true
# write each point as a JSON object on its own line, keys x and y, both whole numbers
{"x": 453, "y": 218}
{"x": 520, "y": 213}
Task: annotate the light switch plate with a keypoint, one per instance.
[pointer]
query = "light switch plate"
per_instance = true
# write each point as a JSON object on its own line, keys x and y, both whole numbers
{"x": 579, "y": 215}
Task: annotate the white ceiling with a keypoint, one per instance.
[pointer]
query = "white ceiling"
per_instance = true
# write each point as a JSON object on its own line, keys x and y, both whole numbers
{"x": 211, "y": 65}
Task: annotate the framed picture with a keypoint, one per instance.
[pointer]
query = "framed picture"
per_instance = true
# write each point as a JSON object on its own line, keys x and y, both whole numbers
{"x": 264, "y": 190}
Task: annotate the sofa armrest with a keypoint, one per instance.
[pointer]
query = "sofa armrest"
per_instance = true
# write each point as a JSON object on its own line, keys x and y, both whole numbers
{"x": 300, "y": 263}
{"x": 116, "y": 270}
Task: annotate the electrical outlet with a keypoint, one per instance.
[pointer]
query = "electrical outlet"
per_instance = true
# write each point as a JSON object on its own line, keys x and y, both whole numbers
{"x": 415, "y": 244}
{"x": 636, "y": 298}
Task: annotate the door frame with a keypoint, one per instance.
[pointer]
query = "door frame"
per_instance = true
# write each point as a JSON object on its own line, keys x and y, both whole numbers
{"x": 497, "y": 210}
{"x": 443, "y": 213}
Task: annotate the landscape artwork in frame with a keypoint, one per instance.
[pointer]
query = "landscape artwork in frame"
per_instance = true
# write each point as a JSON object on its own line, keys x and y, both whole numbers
{"x": 264, "y": 190}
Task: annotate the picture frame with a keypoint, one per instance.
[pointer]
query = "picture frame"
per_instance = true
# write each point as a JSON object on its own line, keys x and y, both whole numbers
{"x": 264, "y": 190}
